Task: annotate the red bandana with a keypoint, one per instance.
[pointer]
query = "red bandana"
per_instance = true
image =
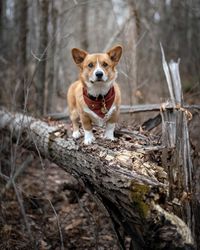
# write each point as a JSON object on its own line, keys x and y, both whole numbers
{"x": 101, "y": 104}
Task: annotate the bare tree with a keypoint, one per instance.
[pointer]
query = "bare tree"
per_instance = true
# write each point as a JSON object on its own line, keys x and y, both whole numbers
{"x": 21, "y": 76}
{"x": 42, "y": 49}
{"x": 1, "y": 19}
{"x": 84, "y": 26}
{"x": 51, "y": 97}
{"x": 132, "y": 32}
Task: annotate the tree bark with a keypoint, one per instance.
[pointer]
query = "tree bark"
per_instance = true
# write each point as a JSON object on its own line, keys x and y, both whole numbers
{"x": 42, "y": 49}
{"x": 2, "y": 8}
{"x": 132, "y": 190}
{"x": 51, "y": 97}
{"x": 84, "y": 26}
{"x": 21, "y": 20}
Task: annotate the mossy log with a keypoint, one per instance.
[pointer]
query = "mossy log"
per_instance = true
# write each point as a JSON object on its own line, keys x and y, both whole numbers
{"x": 129, "y": 186}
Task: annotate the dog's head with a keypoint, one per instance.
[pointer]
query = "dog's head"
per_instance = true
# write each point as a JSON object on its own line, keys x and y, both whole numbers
{"x": 97, "y": 68}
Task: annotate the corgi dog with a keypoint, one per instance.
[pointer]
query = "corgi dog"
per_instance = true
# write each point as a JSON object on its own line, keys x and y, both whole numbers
{"x": 95, "y": 97}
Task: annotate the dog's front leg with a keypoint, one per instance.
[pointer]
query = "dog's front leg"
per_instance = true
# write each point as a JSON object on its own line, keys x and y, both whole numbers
{"x": 109, "y": 132}
{"x": 74, "y": 118}
{"x": 110, "y": 126}
{"x": 87, "y": 127}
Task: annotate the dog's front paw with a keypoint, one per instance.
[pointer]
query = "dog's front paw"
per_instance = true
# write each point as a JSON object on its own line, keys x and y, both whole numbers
{"x": 89, "y": 137}
{"x": 109, "y": 136}
{"x": 76, "y": 134}
{"x": 89, "y": 141}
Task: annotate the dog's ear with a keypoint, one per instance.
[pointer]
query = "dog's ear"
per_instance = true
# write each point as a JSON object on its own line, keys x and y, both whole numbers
{"x": 115, "y": 53}
{"x": 78, "y": 55}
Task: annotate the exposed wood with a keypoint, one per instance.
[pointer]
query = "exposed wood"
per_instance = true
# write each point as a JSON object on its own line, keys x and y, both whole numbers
{"x": 133, "y": 190}
{"x": 176, "y": 136}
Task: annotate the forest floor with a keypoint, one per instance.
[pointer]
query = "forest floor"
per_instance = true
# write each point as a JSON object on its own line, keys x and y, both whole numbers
{"x": 54, "y": 217}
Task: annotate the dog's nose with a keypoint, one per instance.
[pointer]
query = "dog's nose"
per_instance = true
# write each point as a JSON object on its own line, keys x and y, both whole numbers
{"x": 99, "y": 74}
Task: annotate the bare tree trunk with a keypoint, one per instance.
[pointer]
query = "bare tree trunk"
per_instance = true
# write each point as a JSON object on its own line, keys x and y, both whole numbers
{"x": 1, "y": 20}
{"x": 84, "y": 26}
{"x": 195, "y": 41}
{"x": 130, "y": 56}
{"x": 51, "y": 96}
{"x": 132, "y": 190}
{"x": 42, "y": 49}
{"x": 21, "y": 76}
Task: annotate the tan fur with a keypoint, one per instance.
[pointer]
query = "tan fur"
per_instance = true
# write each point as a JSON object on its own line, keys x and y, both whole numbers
{"x": 106, "y": 61}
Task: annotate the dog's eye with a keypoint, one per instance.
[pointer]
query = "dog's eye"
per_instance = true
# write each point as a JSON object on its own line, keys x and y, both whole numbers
{"x": 105, "y": 64}
{"x": 90, "y": 65}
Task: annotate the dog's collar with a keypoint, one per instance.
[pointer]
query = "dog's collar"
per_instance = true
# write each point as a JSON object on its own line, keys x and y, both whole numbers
{"x": 101, "y": 104}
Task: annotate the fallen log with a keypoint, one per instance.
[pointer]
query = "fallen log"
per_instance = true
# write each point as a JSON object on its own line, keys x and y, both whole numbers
{"x": 131, "y": 188}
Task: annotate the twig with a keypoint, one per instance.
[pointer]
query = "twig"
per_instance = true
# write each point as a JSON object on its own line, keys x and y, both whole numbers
{"x": 58, "y": 224}
{"x": 20, "y": 201}
{"x": 116, "y": 34}
{"x": 37, "y": 58}
{"x": 19, "y": 171}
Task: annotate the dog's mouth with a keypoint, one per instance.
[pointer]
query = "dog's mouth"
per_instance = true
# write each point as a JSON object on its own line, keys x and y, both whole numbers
{"x": 98, "y": 80}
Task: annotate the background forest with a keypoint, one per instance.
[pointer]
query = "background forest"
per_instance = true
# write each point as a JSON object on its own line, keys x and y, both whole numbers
{"x": 45, "y": 208}
{"x": 37, "y": 38}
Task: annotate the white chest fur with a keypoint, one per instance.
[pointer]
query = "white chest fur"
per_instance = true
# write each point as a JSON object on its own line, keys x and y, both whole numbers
{"x": 98, "y": 120}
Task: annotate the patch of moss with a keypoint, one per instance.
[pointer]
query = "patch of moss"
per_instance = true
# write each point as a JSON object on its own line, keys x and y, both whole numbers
{"x": 138, "y": 199}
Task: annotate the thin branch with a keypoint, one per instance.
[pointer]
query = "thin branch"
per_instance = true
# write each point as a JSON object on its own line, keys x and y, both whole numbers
{"x": 58, "y": 224}
{"x": 37, "y": 58}
{"x": 116, "y": 34}
{"x": 20, "y": 201}
{"x": 19, "y": 170}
